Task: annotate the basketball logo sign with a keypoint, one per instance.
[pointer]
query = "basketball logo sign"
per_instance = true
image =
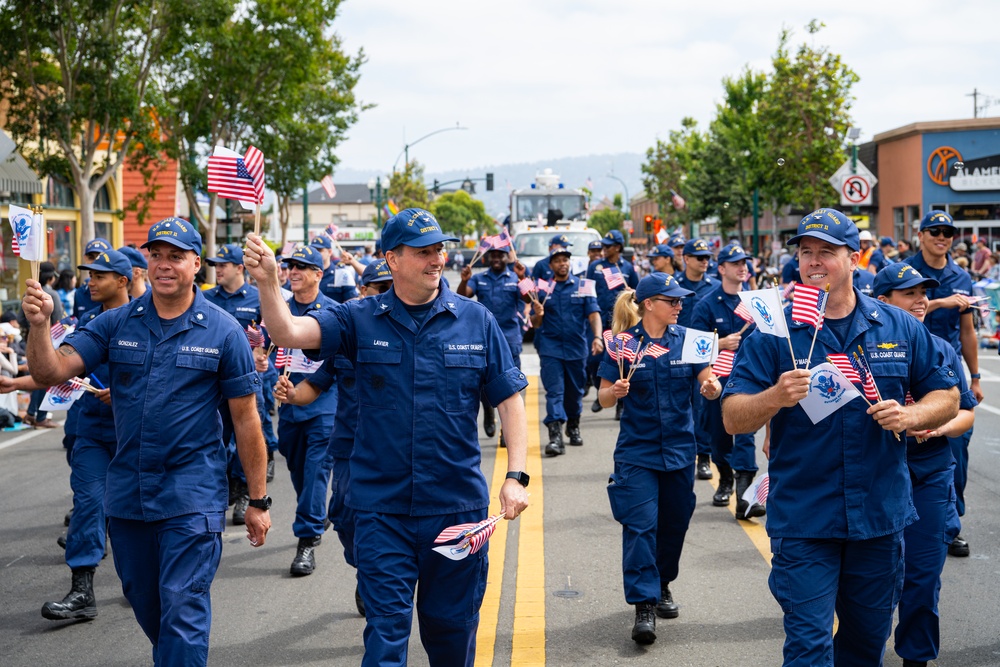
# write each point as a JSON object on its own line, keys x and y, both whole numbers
{"x": 939, "y": 164}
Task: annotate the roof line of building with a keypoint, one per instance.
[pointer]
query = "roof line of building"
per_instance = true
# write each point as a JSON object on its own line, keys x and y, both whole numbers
{"x": 938, "y": 126}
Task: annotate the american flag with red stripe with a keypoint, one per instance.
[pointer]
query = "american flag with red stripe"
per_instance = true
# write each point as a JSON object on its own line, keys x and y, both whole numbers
{"x": 255, "y": 337}
{"x": 64, "y": 390}
{"x": 809, "y": 305}
{"x": 526, "y": 285}
{"x": 57, "y": 331}
{"x": 611, "y": 344}
{"x": 472, "y": 537}
{"x": 331, "y": 231}
{"x": 630, "y": 350}
{"x": 744, "y": 313}
{"x": 908, "y": 400}
{"x": 866, "y": 379}
{"x": 238, "y": 177}
{"x": 546, "y": 286}
{"x": 283, "y": 358}
{"x": 789, "y": 288}
{"x": 327, "y": 183}
{"x": 757, "y": 491}
{"x": 843, "y": 364}
{"x": 612, "y": 277}
{"x": 723, "y": 364}
{"x": 654, "y": 350}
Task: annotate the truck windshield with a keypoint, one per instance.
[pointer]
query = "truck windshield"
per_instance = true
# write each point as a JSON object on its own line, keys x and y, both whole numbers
{"x": 563, "y": 207}
{"x": 536, "y": 243}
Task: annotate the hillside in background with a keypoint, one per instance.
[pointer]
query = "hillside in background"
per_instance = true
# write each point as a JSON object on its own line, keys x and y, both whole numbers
{"x": 574, "y": 172}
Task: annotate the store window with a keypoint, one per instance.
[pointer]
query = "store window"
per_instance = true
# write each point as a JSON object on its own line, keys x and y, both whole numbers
{"x": 59, "y": 194}
{"x": 104, "y": 230}
{"x": 62, "y": 253}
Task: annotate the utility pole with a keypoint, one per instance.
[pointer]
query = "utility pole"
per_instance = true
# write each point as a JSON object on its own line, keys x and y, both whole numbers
{"x": 975, "y": 102}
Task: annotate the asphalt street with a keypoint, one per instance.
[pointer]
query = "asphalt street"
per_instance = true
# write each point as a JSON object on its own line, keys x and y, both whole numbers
{"x": 555, "y": 591}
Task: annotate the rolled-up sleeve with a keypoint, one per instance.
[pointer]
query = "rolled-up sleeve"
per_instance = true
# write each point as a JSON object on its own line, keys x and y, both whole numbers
{"x": 237, "y": 374}
{"x": 503, "y": 379}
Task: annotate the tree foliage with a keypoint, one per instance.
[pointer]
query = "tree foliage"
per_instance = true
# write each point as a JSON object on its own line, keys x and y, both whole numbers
{"x": 670, "y": 166}
{"x": 407, "y": 189}
{"x": 461, "y": 215}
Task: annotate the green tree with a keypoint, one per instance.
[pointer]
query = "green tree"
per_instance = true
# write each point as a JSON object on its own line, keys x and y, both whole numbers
{"x": 461, "y": 215}
{"x": 407, "y": 189}
{"x": 673, "y": 165}
{"x": 606, "y": 219}
{"x": 78, "y": 79}
{"x": 805, "y": 114}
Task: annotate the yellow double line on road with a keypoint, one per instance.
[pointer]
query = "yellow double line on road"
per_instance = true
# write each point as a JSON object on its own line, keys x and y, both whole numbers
{"x": 528, "y": 647}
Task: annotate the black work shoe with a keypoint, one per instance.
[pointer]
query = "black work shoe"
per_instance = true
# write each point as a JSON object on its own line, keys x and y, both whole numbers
{"x": 596, "y": 406}
{"x": 358, "y": 601}
{"x": 744, "y": 510}
{"x": 69, "y": 515}
{"x": 61, "y": 540}
{"x": 573, "y": 431}
{"x": 270, "y": 466}
{"x": 723, "y": 493}
{"x": 618, "y": 411}
{"x": 555, "y": 446}
{"x": 644, "y": 629}
{"x": 703, "y": 469}
{"x": 958, "y": 547}
{"x": 489, "y": 421}
{"x": 305, "y": 558}
{"x": 914, "y": 663}
{"x": 240, "y": 510}
{"x": 79, "y": 603}
{"x": 503, "y": 443}
{"x": 665, "y": 606}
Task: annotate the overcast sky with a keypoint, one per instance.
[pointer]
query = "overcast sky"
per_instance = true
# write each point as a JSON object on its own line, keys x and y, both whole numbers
{"x": 553, "y": 78}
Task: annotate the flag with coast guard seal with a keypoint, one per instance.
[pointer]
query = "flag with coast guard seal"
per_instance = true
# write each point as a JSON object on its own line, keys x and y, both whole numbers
{"x": 60, "y": 397}
{"x": 829, "y": 391}
{"x": 300, "y": 363}
{"x": 699, "y": 347}
{"x": 765, "y": 307}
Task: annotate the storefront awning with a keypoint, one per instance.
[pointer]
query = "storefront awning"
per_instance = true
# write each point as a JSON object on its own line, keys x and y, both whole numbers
{"x": 15, "y": 174}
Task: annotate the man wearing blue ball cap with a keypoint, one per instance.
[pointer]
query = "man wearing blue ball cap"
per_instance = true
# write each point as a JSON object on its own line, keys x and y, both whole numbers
{"x": 949, "y": 316}
{"x": 139, "y": 268}
{"x": 423, "y": 357}
{"x": 339, "y": 278}
{"x": 541, "y": 268}
{"x": 839, "y": 489}
{"x": 81, "y": 297}
{"x": 173, "y": 357}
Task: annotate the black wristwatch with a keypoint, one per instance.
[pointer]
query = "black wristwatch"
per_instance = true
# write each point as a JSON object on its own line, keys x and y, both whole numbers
{"x": 521, "y": 477}
{"x": 261, "y": 503}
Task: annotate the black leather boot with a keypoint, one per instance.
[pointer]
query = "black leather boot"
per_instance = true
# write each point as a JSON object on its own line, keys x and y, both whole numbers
{"x": 305, "y": 558}
{"x": 270, "y": 466}
{"x": 725, "y": 488}
{"x": 618, "y": 411}
{"x": 555, "y": 446}
{"x": 744, "y": 509}
{"x": 644, "y": 629}
{"x": 703, "y": 468}
{"x": 666, "y": 607}
{"x": 489, "y": 420}
{"x": 79, "y": 603}
{"x": 573, "y": 431}
{"x": 358, "y": 602}
{"x": 241, "y": 504}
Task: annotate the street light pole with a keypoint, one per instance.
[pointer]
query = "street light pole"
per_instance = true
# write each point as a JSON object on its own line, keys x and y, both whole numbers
{"x": 377, "y": 186}
{"x": 406, "y": 147}
{"x": 626, "y": 211}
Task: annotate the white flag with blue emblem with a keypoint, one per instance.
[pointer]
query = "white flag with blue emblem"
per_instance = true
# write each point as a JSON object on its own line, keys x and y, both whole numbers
{"x": 829, "y": 391}
{"x": 765, "y": 306}
{"x": 699, "y": 347}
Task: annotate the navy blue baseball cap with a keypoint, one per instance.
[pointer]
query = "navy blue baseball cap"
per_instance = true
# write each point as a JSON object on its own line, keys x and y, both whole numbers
{"x": 559, "y": 251}
{"x": 661, "y": 250}
{"x": 830, "y": 225}
{"x": 595, "y": 245}
{"x": 936, "y": 219}
{"x": 697, "y": 248}
{"x": 656, "y": 284}
{"x": 887, "y": 240}
{"x": 413, "y": 227}
{"x": 321, "y": 241}
{"x": 305, "y": 255}
{"x": 613, "y": 237}
{"x": 97, "y": 245}
{"x": 676, "y": 239}
{"x": 559, "y": 240}
{"x": 899, "y": 276}
{"x": 110, "y": 261}
{"x": 732, "y": 252}
{"x": 376, "y": 272}
{"x": 177, "y": 232}
{"x": 229, "y": 253}
{"x": 137, "y": 258}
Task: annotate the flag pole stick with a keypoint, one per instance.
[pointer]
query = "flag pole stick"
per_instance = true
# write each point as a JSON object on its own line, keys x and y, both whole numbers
{"x": 844, "y": 378}
{"x": 256, "y": 219}
{"x": 745, "y": 327}
{"x": 819, "y": 324}
{"x": 638, "y": 357}
{"x": 788, "y": 332}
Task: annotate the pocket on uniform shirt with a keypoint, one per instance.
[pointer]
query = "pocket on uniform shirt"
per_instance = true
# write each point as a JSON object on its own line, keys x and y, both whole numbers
{"x": 377, "y": 376}
{"x": 196, "y": 377}
{"x": 890, "y": 377}
{"x": 128, "y": 363}
{"x": 463, "y": 373}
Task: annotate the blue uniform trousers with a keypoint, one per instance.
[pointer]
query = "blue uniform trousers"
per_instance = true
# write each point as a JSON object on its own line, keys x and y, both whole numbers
{"x": 736, "y": 450}
{"x": 654, "y": 508}
{"x": 340, "y": 515}
{"x": 564, "y": 380}
{"x": 394, "y": 553}
{"x": 85, "y": 539}
{"x": 960, "y": 450}
{"x": 267, "y": 382}
{"x": 167, "y": 568}
{"x": 860, "y": 580}
{"x": 701, "y": 438}
{"x": 235, "y": 464}
{"x": 306, "y": 448}
{"x": 918, "y": 634}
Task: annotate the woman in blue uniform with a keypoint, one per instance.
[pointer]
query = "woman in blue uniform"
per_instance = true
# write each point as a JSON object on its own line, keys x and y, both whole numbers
{"x": 932, "y": 473}
{"x": 655, "y": 453}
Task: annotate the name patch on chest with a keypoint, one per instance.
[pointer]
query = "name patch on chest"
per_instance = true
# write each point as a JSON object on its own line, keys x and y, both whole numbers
{"x": 887, "y": 349}
{"x": 457, "y": 347}
{"x": 380, "y": 343}
{"x": 127, "y": 343}
{"x": 199, "y": 350}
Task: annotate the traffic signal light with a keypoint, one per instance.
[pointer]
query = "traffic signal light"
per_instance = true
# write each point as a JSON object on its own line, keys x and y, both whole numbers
{"x": 648, "y": 220}
{"x": 489, "y": 182}
{"x": 435, "y": 186}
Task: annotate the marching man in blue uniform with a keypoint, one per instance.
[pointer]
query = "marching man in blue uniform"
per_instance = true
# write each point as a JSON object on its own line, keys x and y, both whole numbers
{"x": 840, "y": 494}
{"x": 561, "y": 339}
{"x": 304, "y": 429}
{"x": 733, "y": 455}
{"x": 541, "y": 269}
{"x": 932, "y": 472}
{"x": 82, "y": 302}
{"x": 94, "y": 444}
{"x": 338, "y": 278}
{"x": 423, "y": 357}
{"x": 652, "y": 488}
{"x": 172, "y": 357}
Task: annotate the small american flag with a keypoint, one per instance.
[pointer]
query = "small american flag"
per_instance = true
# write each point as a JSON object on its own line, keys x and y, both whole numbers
{"x": 587, "y": 288}
{"x": 545, "y": 286}
{"x": 486, "y": 244}
{"x": 612, "y": 277}
{"x": 865, "y": 373}
{"x": 677, "y": 200}
{"x": 57, "y": 332}
{"x": 331, "y": 231}
{"x": 288, "y": 248}
{"x": 327, "y": 183}
{"x": 743, "y": 313}
{"x": 843, "y": 364}
{"x": 789, "y": 288}
{"x": 472, "y": 537}
{"x": 611, "y": 344}
{"x": 809, "y": 305}
{"x": 526, "y": 285}
{"x": 283, "y": 358}
{"x": 757, "y": 492}
{"x": 723, "y": 365}
{"x": 238, "y": 177}
{"x": 64, "y": 390}
{"x": 655, "y": 350}
{"x": 630, "y": 350}
{"x": 255, "y": 337}
{"x": 503, "y": 238}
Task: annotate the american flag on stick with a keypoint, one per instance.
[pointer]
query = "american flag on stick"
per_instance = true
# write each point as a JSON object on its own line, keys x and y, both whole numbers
{"x": 723, "y": 365}
{"x": 843, "y": 364}
{"x": 612, "y": 277}
{"x": 809, "y": 305}
{"x": 757, "y": 492}
{"x": 526, "y": 286}
{"x": 255, "y": 336}
{"x": 237, "y": 177}
{"x": 471, "y": 537}
{"x": 284, "y": 357}
{"x": 327, "y": 183}
{"x": 865, "y": 373}
{"x": 744, "y": 313}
